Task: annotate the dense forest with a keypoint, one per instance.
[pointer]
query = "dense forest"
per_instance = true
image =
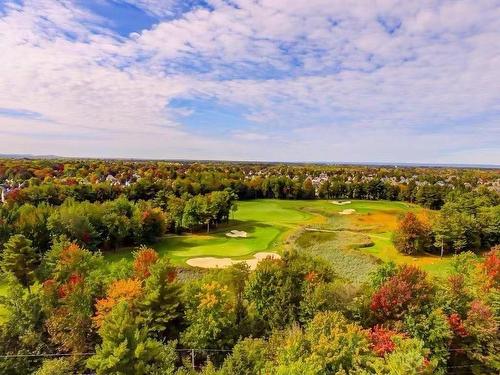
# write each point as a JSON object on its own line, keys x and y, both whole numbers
{"x": 67, "y": 310}
{"x": 50, "y": 181}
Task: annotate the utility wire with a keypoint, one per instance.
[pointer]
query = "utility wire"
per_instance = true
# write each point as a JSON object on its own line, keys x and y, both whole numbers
{"x": 44, "y": 355}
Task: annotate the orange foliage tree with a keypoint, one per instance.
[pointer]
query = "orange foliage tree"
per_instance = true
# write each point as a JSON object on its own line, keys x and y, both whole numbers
{"x": 412, "y": 235}
{"x": 128, "y": 290}
{"x": 144, "y": 258}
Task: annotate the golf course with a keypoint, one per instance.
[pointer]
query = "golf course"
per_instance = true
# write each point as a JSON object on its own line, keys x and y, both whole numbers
{"x": 354, "y": 236}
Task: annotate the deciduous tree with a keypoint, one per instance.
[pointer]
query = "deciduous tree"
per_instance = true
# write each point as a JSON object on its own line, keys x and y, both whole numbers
{"x": 412, "y": 236}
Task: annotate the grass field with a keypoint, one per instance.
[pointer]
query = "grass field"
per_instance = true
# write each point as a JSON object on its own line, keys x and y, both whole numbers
{"x": 265, "y": 221}
{"x": 353, "y": 243}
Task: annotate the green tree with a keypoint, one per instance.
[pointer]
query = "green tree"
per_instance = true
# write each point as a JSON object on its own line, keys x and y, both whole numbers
{"x": 210, "y": 317}
{"x": 235, "y": 277}
{"x": 160, "y": 304}
{"x": 175, "y": 211}
{"x": 434, "y": 331}
{"x": 430, "y": 196}
{"x": 275, "y": 292}
{"x": 126, "y": 349}
{"x": 19, "y": 259}
{"x": 456, "y": 231}
{"x": 336, "y": 343}
{"x": 408, "y": 357}
{"x": 31, "y": 221}
{"x": 489, "y": 221}
{"x": 195, "y": 212}
{"x": 57, "y": 366}
{"x": 248, "y": 357}
{"x": 117, "y": 229}
{"x": 22, "y": 330}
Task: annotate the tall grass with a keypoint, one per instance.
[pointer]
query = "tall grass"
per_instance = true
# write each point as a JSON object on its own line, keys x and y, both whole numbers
{"x": 340, "y": 249}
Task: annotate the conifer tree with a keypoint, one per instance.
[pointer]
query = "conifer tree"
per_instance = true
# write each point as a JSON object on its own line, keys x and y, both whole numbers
{"x": 126, "y": 348}
{"x": 19, "y": 259}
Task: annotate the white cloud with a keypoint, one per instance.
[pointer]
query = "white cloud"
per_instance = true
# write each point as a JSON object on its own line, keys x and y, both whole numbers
{"x": 354, "y": 73}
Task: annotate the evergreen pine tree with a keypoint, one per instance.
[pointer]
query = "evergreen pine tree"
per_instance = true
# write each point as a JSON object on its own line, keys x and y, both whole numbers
{"x": 19, "y": 259}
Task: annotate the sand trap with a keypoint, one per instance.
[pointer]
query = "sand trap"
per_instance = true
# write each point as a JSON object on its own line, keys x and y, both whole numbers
{"x": 237, "y": 234}
{"x": 211, "y": 262}
{"x": 347, "y": 212}
{"x": 340, "y": 203}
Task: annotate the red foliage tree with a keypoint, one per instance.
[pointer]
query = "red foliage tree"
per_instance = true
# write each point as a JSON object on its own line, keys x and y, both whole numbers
{"x": 457, "y": 326}
{"x": 382, "y": 340}
{"x": 407, "y": 290}
{"x": 480, "y": 320}
{"x": 311, "y": 277}
{"x": 74, "y": 280}
{"x": 491, "y": 267}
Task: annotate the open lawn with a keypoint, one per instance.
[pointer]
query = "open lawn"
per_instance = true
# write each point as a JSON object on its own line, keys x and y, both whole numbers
{"x": 353, "y": 241}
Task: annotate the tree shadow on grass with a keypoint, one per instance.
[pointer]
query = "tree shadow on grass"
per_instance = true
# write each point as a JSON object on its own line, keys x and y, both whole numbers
{"x": 248, "y": 226}
{"x": 170, "y": 244}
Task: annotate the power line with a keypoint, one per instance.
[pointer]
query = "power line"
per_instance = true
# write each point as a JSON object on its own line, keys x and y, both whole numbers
{"x": 4, "y": 356}
{"x": 86, "y": 354}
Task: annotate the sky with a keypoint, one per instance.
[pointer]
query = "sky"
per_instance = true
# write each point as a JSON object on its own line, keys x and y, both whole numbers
{"x": 270, "y": 80}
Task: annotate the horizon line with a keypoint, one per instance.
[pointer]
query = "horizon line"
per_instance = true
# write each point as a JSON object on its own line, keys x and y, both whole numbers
{"x": 392, "y": 164}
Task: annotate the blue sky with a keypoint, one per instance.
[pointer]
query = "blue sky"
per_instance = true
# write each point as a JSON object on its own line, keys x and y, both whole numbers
{"x": 308, "y": 80}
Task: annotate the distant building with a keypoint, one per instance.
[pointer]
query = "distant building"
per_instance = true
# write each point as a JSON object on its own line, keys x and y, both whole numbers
{"x": 112, "y": 180}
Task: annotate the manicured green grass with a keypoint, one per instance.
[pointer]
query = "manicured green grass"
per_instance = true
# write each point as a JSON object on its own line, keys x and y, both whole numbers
{"x": 265, "y": 221}
{"x": 271, "y": 225}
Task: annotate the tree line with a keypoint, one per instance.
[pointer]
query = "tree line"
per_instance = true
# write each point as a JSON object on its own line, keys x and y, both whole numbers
{"x": 114, "y": 223}
{"x": 37, "y": 181}
{"x": 275, "y": 187}
{"x": 467, "y": 221}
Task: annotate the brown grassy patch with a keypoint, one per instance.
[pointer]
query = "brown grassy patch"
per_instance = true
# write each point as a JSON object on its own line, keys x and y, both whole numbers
{"x": 381, "y": 221}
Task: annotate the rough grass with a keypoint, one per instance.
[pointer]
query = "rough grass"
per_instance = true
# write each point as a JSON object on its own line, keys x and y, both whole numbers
{"x": 341, "y": 250}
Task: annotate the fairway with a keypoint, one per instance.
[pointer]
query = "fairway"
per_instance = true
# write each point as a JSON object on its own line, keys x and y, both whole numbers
{"x": 354, "y": 243}
{"x": 265, "y": 221}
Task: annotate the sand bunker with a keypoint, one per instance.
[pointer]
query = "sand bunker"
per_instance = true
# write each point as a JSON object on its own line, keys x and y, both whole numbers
{"x": 340, "y": 203}
{"x": 237, "y": 234}
{"x": 211, "y": 262}
{"x": 347, "y": 212}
